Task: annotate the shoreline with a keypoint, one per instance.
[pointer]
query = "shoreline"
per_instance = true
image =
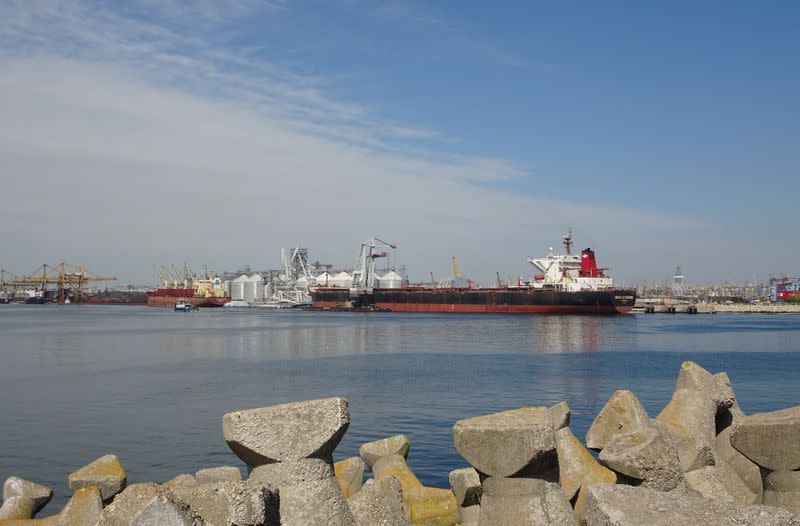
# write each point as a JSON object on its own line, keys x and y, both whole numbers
{"x": 748, "y": 308}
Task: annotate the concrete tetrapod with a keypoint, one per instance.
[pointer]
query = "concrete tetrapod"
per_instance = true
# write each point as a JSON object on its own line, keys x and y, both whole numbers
{"x": 148, "y": 504}
{"x": 622, "y": 505}
{"x": 216, "y": 474}
{"x": 106, "y": 473}
{"x": 716, "y": 386}
{"x": 466, "y": 486}
{"x": 310, "y": 429}
{"x": 83, "y": 508}
{"x": 747, "y": 470}
{"x": 308, "y": 492}
{"x": 721, "y": 483}
{"x": 577, "y": 469}
{"x": 645, "y": 454}
{"x": 371, "y": 452}
{"x": 380, "y": 504}
{"x": 622, "y": 413}
{"x": 690, "y": 414}
{"x": 782, "y": 489}
{"x": 516, "y": 442}
{"x": 232, "y": 503}
{"x": 23, "y": 499}
{"x": 427, "y": 506}
{"x": 561, "y": 414}
{"x": 181, "y": 481}
{"x": 770, "y": 439}
{"x": 350, "y": 475}
{"x": 523, "y": 502}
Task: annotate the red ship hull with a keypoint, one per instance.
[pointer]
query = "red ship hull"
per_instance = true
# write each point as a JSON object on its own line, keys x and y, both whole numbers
{"x": 168, "y": 298}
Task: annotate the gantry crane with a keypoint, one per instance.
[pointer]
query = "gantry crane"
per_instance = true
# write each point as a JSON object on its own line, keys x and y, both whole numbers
{"x": 66, "y": 278}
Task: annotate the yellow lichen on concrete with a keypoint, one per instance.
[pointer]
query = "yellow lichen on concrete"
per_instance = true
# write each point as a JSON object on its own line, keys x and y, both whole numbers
{"x": 427, "y": 506}
{"x": 577, "y": 467}
{"x": 106, "y": 472}
{"x": 433, "y": 507}
{"x": 349, "y": 474}
{"x": 84, "y": 507}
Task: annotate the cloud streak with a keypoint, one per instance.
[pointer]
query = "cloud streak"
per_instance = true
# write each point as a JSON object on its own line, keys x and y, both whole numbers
{"x": 127, "y": 143}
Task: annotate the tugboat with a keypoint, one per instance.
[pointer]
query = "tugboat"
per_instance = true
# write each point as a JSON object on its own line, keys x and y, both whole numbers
{"x": 184, "y": 306}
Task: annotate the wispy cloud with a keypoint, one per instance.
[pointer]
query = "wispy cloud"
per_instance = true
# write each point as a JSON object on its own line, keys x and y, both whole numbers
{"x": 113, "y": 124}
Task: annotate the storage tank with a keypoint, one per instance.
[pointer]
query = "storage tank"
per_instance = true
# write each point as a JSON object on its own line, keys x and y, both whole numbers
{"x": 392, "y": 280}
{"x": 253, "y": 288}
{"x": 237, "y": 287}
{"x": 342, "y": 279}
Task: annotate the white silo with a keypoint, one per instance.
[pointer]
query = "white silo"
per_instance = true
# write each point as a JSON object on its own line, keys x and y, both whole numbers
{"x": 391, "y": 280}
{"x": 237, "y": 287}
{"x": 342, "y": 279}
{"x": 254, "y": 288}
{"x": 324, "y": 280}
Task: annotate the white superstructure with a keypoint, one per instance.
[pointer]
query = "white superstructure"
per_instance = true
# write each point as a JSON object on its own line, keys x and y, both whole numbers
{"x": 569, "y": 271}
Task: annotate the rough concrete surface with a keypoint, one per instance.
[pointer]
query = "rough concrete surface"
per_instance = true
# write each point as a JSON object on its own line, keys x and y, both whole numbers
{"x": 287, "y": 432}
{"x": 623, "y": 412}
{"x": 622, "y": 505}
{"x": 106, "y": 472}
{"x": 371, "y": 452}
{"x": 770, "y": 439}
{"x": 380, "y": 504}
{"x": 507, "y": 443}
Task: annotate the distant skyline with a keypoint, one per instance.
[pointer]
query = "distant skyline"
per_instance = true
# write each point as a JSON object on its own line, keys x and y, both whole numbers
{"x": 216, "y": 132}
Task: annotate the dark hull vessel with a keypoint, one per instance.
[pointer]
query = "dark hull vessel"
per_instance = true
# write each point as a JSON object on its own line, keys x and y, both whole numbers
{"x": 522, "y": 300}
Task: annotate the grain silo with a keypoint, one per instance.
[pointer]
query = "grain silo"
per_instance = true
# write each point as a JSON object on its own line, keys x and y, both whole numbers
{"x": 391, "y": 280}
{"x": 342, "y": 279}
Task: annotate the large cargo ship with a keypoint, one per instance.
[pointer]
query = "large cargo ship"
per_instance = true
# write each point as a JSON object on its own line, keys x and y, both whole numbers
{"x": 562, "y": 284}
{"x": 206, "y": 292}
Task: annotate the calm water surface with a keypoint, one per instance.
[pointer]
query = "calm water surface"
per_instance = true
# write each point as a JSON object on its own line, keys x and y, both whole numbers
{"x": 151, "y": 385}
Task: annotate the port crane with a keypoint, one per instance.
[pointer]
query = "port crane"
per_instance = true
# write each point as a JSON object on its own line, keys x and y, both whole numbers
{"x": 67, "y": 279}
{"x": 364, "y": 270}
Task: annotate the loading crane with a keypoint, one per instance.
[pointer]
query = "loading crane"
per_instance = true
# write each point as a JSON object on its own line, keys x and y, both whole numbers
{"x": 364, "y": 270}
{"x": 67, "y": 280}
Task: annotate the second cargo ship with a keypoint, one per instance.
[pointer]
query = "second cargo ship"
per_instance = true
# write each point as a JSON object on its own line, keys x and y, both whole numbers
{"x": 562, "y": 284}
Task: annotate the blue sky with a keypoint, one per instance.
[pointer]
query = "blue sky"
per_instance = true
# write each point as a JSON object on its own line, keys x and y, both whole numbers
{"x": 664, "y": 134}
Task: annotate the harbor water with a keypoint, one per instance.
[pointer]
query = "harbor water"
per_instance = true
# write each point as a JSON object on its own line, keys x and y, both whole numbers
{"x": 151, "y": 385}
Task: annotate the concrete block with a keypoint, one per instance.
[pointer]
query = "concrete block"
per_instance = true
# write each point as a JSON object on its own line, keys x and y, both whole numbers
{"x": 576, "y": 466}
{"x": 782, "y": 489}
{"x": 770, "y": 439}
{"x": 622, "y": 413}
{"x": 23, "y": 499}
{"x": 106, "y": 472}
{"x": 466, "y": 486}
{"x": 623, "y": 505}
{"x": 232, "y": 503}
{"x": 516, "y": 442}
{"x": 645, "y": 454}
{"x": 350, "y": 475}
{"x": 181, "y": 481}
{"x": 216, "y": 474}
{"x": 308, "y": 492}
{"x": 523, "y": 502}
{"x": 148, "y": 504}
{"x": 371, "y": 452}
{"x": 561, "y": 415}
{"x": 310, "y": 429}
{"x": 380, "y": 504}
{"x": 690, "y": 415}
{"x": 746, "y": 469}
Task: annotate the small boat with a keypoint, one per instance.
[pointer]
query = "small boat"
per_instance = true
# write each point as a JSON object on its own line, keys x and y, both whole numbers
{"x": 236, "y": 303}
{"x": 185, "y": 306}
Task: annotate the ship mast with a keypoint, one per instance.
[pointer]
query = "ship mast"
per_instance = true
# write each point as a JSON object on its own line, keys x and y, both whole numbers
{"x": 568, "y": 242}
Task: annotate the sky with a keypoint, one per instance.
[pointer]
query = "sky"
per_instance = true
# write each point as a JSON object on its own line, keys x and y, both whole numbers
{"x": 216, "y": 132}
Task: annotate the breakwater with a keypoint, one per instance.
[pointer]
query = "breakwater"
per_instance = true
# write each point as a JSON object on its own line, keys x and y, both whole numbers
{"x": 701, "y": 459}
{"x": 754, "y": 308}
